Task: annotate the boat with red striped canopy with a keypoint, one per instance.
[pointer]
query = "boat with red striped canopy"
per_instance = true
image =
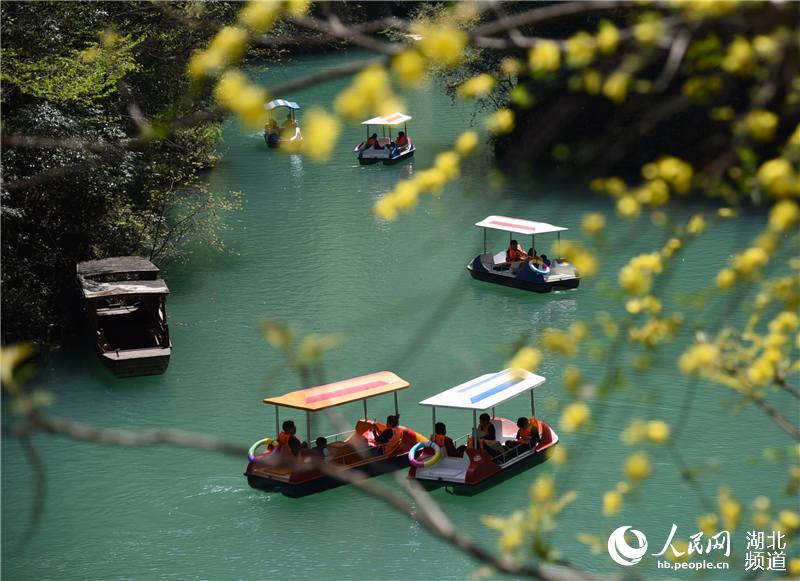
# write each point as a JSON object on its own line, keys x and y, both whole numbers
{"x": 276, "y": 469}
{"x": 533, "y": 273}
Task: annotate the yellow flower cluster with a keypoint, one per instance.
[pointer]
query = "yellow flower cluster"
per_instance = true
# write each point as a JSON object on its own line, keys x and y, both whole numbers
{"x": 730, "y": 509}
{"x": 226, "y": 48}
{"x": 259, "y": 15}
{"x": 613, "y": 186}
{"x": 671, "y": 247}
{"x": 740, "y": 58}
{"x": 409, "y": 67}
{"x": 607, "y": 37}
{"x": 564, "y": 342}
{"x": 584, "y": 260}
{"x": 501, "y": 121}
{"x": 698, "y": 358}
{"x": 637, "y": 467}
{"x": 447, "y": 167}
{"x": 761, "y": 124}
{"x": 544, "y": 57}
{"x": 697, "y": 225}
{"x": 575, "y": 416}
{"x": 573, "y": 379}
{"x": 613, "y": 499}
{"x": 636, "y": 277}
{"x": 526, "y": 358}
{"x": 646, "y": 304}
{"x": 313, "y": 346}
{"x": 477, "y": 87}
{"x": 321, "y": 133}
{"x": 777, "y": 177}
{"x": 748, "y": 263}
{"x": 580, "y": 49}
{"x": 655, "y": 330}
{"x": 783, "y": 215}
{"x": 676, "y": 172}
{"x": 593, "y": 223}
{"x": 370, "y": 93}
{"x": 616, "y": 86}
{"x": 649, "y": 29}
{"x": 236, "y": 94}
{"x": 655, "y": 431}
{"x": 442, "y": 43}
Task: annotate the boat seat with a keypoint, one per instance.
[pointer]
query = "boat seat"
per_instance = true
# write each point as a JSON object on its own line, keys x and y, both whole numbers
{"x": 510, "y": 432}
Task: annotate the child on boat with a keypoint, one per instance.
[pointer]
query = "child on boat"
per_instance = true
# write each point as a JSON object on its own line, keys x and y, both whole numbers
{"x": 441, "y": 439}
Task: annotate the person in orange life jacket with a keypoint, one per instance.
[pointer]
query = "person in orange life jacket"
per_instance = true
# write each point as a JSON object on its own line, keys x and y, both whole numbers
{"x": 527, "y": 434}
{"x": 393, "y": 432}
{"x": 441, "y": 439}
{"x": 514, "y": 253}
{"x": 373, "y": 142}
{"x": 402, "y": 139}
{"x": 287, "y": 439}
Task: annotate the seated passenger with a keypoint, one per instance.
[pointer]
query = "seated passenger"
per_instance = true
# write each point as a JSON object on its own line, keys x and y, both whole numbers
{"x": 288, "y": 441}
{"x": 514, "y": 253}
{"x": 441, "y": 439}
{"x": 545, "y": 260}
{"x": 487, "y": 437}
{"x": 389, "y": 438}
{"x": 402, "y": 140}
{"x": 321, "y": 447}
{"x": 527, "y": 434}
{"x": 271, "y": 127}
{"x": 373, "y": 142}
{"x": 534, "y": 257}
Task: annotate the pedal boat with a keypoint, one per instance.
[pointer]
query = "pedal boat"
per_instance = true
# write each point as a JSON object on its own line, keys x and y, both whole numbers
{"x": 277, "y": 137}
{"x": 389, "y": 154}
{"x": 477, "y": 469}
{"x": 522, "y": 275}
{"x": 276, "y": 471}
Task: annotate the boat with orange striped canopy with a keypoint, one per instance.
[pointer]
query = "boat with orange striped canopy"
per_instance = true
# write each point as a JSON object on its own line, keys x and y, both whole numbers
{"x": 275, "y": 469}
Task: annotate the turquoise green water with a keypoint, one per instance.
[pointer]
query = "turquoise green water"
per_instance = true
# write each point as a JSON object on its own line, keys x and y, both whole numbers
{"x": 307, "y": 251}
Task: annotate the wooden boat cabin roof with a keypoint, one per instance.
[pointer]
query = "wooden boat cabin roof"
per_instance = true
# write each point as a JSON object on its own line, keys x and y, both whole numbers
{"x": 341, "y": 392}
{"x": 507, "y": 224}
{"x": 118, "y": 276}
{"x": 486, "y": 391}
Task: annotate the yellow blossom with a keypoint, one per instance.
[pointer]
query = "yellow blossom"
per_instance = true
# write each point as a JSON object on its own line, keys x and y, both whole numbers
{"x": 579, "y": 49}
{"x": 431, "y": 180}
{"x": 230, "y": 43}
{"x": 607, "y": 37}
{"x": 761, "y": 124}
{"x": 466, "y": 143}
{"x": 636, "y": 432}
{"x": 298, "y": 7}
{"x": 593, "y": 223}
{"x": 350, "y": 104}
{"x": 449, "y": 163}
{"x": 526, "y": 358}
{"x": 584, "y": 261}
{"x": 572, "y": 379}
{"x": 557, "y": 341}
{"x": 543, "y": 489}
{"x": 789, "y": 519}
{"x": 777, "y": 176}
{"x": 443, "y": 44}
{"x": 616, "y": 86}
{"x": 698, "y": 357}
{"x": 783, "y": 215}
{"x": 677, "y": 172}
{"x": 612, "y": 502}
{"x": 558, "y": 455}
{"x": 247, "y": 101}
{"x": 726, "y": 278}
{"x": 406, "y": 195}
{"x": 657, "y": 431}
{"x": 726, "y": 213}
{"x": 637, "y": 467}
{"x": 477, "y": 87}
{"x": 409, "y": 67}
{"x": 740, "y": 57}
{"x": 502, "y": 121}
{"x": 592, "y": 81}
{"x": 259, "y": 15}
{"x": 766, "y": 47}
{"x": 649, "y": 28}
{"x": 697, "y": 225}
{"x": 750, "y": 261}
{"x": 321, "y": 132}
{"x": 575, "y": 415}
{"x": 730, "y": 509}
{"x": 628, "y": 207}
{"x": 510, "y": 66}
{"x": 385, "y": 208}
{"x": 545, "y": 56}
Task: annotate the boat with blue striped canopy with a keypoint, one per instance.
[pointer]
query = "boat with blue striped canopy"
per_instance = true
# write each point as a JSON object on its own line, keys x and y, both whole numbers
{"x": 482, "y": 462}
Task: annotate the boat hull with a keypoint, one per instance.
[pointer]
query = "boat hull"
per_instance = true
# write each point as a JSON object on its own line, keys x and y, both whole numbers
{"x": 133, "y": 363}
{"x": 533, "y": 283}
{"x": 402, "y": 157}
{"x": 369, "y": 160}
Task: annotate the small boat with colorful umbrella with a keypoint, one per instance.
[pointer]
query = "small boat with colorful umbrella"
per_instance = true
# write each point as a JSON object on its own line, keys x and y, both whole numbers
{"x": 385, "y": 148}
{"x": 289, "y": 131}
{"x": 271, "y": 467}
{"x": 535, "y": 275}
{"x": 483, "y": 463}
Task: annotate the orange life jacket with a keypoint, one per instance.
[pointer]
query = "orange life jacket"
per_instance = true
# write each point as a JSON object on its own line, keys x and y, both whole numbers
{"x": 527, "y": 432}
{"x": 283, "y": 440}
{"x": 514, "y": 254}
{"x": 372, "y": 141}
{"x": 402, "y": 141}
{"x": 395, "y": 440}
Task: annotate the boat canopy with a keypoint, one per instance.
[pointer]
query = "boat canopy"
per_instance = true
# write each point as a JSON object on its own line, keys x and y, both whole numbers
{"x": 393, "y": 119}
{"x": 486, "y": 391}
{"x": 341, "y": 392}
{"x": 93, "y": 289}
{"x": 281, "y": 103}
{"x": 517, "y": 225}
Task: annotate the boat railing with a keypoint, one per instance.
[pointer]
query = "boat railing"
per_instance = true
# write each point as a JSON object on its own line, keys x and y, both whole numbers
{"x": 340, "y": 437}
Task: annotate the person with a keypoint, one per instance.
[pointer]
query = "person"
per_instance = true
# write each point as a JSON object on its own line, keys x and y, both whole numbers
{"x": 514, "y": 253}
{"x": 441, "y": 439}
{"x": 545, "y": 260}
{"x": 289, "y": 123}
{"x": 321, "y": 447}
{"x": 372, "y": 141}
{"x": 487, "y": 436}
{"x": 527, "y": 434}
{"x": 390, "y": 437}
{"x": 402, "y": 139}
{"x": 534, "y": 257}
{"x": 271, "y": 127}
{"x": 288, "y": 441}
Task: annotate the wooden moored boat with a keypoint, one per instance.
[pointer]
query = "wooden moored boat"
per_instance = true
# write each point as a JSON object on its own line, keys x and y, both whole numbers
{"x": 125, "y": 302}
{"x": 482, "y": 466}
{"x": 385, "y": 150}
{"x": 525, "y": 275}
{"x": 277, "y": 470}
{"x": 275, "y": 135}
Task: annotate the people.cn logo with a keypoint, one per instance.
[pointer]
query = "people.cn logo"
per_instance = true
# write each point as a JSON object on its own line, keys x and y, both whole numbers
{"x": 621, "y": 552}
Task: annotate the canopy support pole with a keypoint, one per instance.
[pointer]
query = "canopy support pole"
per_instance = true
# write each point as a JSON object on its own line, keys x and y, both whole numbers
{"x": 474, "y": 430}
{"x": 364, "y": 401}
{"x": 484, "y": 240}
{"x": 533, "y": 406}
{"x": 433, "y": 422}
{"x": 308, "y": 427}
{"x": 396, "y": 408}
{"x": 492, "y": 412}
{"x": 277, "y": 421}
{"x": 558, "y": 248}
{"x": 533, "y": 242}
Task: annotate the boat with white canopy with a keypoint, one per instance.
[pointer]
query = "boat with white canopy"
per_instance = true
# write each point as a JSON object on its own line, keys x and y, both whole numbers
{"x": 272, "y": 467}
{"x": 484, "y": 462}
{"x": 385, "y": 149}
{"x": 534, "y": 273}
{"x": 288, "y": 131}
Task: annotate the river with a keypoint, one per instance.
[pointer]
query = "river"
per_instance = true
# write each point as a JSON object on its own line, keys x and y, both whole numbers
{"x": 306, "y": 250}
